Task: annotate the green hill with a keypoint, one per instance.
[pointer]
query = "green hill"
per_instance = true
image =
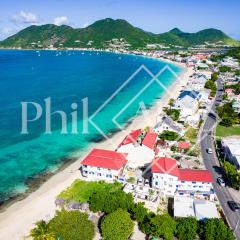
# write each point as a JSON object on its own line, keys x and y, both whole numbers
{"x": 109, "y": 32}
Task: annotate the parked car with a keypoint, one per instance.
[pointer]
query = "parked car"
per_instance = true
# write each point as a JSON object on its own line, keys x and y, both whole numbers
{"x": 221, "y": 182}
{"x": 209, "y": 151}
{"x": 234, "y": 206}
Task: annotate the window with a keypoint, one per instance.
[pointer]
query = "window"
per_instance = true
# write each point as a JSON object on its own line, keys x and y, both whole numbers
{"x": 193, "y": 182}
{"x": 182, "y": 181}
{"x": 99, "y": 174}
{"x": 156, "y": 183}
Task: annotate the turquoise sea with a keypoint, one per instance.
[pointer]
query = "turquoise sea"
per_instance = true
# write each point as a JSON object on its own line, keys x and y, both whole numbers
{"x": 66, "y": 77}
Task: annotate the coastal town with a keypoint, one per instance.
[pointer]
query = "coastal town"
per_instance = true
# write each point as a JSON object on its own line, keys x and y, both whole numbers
{"x": 176, "y": 175}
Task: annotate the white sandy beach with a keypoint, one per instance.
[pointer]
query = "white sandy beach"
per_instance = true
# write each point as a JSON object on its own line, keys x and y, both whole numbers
{"x": 19, "y": 218}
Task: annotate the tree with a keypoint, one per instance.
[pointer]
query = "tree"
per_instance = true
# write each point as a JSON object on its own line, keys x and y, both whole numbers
{"x": 159, "y": 225}
{"x": 42, "y": 231}
{"x": 173, "y": 113}
{"x": 214, "y": 76}
{"x": 169, "y": 135}
{"x": 215, "y": 229}
{"x": 224, "y": 69}
{"x": 171, "y": 102}
{"x": 72, "y": 225}
{"x": 210, "y": 84}
{"x": 117, "y": 225}
{"x": 187, "y": 228}
{"x": 108, "y": 202}
{"x": 139, "y": 212}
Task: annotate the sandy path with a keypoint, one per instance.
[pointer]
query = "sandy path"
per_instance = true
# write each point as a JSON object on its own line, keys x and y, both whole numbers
{"x": 20, "y": 217}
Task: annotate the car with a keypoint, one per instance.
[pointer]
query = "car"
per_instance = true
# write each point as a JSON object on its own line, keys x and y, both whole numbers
{"x": 221, "y": 182}
{"x": 234, "y": 206}
{"x": 209, "y": 150}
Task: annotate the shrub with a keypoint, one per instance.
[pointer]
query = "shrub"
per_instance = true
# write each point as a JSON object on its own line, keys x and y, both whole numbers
{"x": 117, "y": 226}
{"x": 72, "y": 225}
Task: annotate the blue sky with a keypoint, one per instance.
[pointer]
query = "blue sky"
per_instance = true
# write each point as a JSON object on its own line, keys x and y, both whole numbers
{"x": 151, "y": 15}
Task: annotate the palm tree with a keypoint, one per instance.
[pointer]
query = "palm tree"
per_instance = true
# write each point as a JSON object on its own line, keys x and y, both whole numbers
{"x": 42, "y": 232}
{"x": 171, "y": 102}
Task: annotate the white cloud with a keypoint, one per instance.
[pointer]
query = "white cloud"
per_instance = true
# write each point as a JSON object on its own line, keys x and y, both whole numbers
{"x": 60, "y": 20}
{"x": 25, "y": 17}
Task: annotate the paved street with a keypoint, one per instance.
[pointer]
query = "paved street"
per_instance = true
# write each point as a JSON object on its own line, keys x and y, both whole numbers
{"x": 211, "y": 161}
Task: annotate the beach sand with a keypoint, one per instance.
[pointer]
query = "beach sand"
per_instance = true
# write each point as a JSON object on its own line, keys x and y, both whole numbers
{"x": 17, "y": 220}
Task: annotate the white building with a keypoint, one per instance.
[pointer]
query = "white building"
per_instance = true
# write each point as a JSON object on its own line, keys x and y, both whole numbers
{"x": 102, "y": 164}
{"x": 198, "y": 208}
{"x": 140, "y": 149}
{"x": 166, "y": 123}
{"x": 167, "y": 177}
{"x": 188, "y": 104}
{"x": 231, "y": 148}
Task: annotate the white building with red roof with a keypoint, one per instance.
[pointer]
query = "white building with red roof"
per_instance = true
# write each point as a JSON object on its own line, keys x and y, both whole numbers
{"x": 140, "y": 149}
{"x": 102, "y": 164}
{"x": 169, "y": 178}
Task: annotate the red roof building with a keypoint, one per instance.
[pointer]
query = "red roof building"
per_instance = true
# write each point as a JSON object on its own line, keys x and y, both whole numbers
{"x": 193, "y": 175}
{"x": 105, "y": 159}
{"x": 165, "y": 165}
{"x": 132, "y": 137}
{"x": 184, "y": 145}
{"x": 150, "y": 140}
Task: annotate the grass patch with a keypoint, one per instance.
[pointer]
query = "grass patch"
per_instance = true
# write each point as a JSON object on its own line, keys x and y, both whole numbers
{"x": 191, "y": 135}
{"x": 81, "y": 191}
{"x": 222, "y": 131}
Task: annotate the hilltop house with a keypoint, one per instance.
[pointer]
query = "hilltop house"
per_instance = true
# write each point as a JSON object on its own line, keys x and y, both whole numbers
{"x": 102, "y": 164}
{"x": 169, "y": 178}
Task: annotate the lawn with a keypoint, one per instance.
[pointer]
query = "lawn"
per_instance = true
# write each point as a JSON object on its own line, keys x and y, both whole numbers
{"x": 222, "y": 131}
{"x": 81, "y": 191}
{"x": 191, "y": 135}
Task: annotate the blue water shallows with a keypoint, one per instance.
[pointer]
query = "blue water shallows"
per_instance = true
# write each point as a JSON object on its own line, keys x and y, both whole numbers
{"x": 65, "y": 77}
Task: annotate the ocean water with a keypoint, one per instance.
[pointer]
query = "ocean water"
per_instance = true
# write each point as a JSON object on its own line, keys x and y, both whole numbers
{"x": 113, "y": 84}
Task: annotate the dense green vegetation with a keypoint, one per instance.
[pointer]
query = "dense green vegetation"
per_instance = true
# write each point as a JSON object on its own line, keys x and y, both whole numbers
{"x": 109, "y": 201}
{"x": 227, "y": 114}
{"x": 173, "y": 113}
{"x": 169, "y": 135}
{"x": 72, "y": 225}
{"x": 119, "y": 213}
{"x": 81, "y": 191}
{"x": 117, "y": 225}
{"x": 212, "y": 86}
{"x": 105, "y": 30}
{"x": 232, "y": 174}
{"x": 224, "y": 69}
{"x": 215, "y": 229}
{"x": 236, "y": 88}
{"x": 186, "y": 228}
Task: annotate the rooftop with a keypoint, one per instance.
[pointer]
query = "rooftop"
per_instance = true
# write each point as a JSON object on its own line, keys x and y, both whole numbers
{"x": 150, "y": 140}
{"x": 105, "y": 159}
{"x": 195, "y": 175}
{"x": 132, "y": 137}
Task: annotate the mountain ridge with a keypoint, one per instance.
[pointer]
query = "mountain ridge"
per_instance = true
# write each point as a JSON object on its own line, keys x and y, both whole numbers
{"x": 101, "y": 33}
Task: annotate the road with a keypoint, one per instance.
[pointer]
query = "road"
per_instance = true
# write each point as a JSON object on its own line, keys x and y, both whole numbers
{"x": 211, "y": 162}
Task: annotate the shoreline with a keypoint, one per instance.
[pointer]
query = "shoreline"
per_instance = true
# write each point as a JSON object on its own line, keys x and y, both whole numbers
{"x": 39, "y": 204}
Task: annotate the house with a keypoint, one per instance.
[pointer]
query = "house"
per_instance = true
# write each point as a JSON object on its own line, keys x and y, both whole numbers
{"x": 198, "y": 208}
{"x": 140, "y": 148}
{"x": 167, "y": 123}
{"x": 169, "y": 178}
{"x": 102, "y": 164}
{"x": 187, "y": 102}
{"x": 231, "y": 148}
